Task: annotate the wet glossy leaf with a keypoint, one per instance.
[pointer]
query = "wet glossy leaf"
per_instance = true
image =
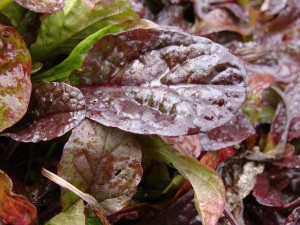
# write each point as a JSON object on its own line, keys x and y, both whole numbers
{"x": 208, "y": 186}
{"x": 61, "y": 31}
{"x": 42, "y": 6}
{"x": 102, "y": 161}
{"x": 76, "y": 57}
{"x": 292, "y": 161}
{"x": 292, "y": 95}
{"x": 294, "y": 218}
{"x": 55, "y": 108}
{"x": 162, "y": 82}
{"x": 232, "y": 133}
{"x": 265, "y": 194}
{"x": 14, "y": 209}
{"x": 15, "y": 84}
{"x": 186, "y": 144}
{"x": 74, "y": 214}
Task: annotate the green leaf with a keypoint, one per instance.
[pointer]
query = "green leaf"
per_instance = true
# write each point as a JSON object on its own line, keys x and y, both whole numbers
{"x": 102, "y": 161}
{"x": 77, "y": 20}
{"x": 208, "y": 186}
{"x": 4, "y": 3}
{"x": 76, "y": 57}
{"x": 93, "y": 221}
{"x": 74, "y": 215}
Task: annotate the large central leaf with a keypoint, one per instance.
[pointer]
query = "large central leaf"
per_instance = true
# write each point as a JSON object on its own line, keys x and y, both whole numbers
{"x": 154, "y": 81}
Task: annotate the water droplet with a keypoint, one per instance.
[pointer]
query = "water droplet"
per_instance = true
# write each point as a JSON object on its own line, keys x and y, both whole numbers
{"x": 93, "y": 101}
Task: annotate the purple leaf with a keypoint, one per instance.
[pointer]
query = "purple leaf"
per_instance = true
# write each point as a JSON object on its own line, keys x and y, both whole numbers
{"x": 15, "y": 84}
{"x": 285, "y": 19}
{"x": 42, "y": 6}
{"x": 152, "y": 81}
{"x": 292, "y": 95}
{"x": 294, "y": 217}
{"x": 55, "y": 108}
{"x": 232, "y": 133}
{"x": 265, "y": 194}
{"x": 273, "y": 57}
{"x": 172, "y": 15}
{"x": 102, "y": 161}
{"x": 219, "y": 20}
{"x": 292, "y": 161}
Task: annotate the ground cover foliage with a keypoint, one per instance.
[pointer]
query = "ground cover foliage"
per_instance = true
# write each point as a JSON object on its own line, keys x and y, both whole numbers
{"x": 150, "y": 112}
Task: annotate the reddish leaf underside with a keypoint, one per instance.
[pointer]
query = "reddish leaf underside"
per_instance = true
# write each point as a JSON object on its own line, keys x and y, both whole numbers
{"x": 232, "y": 133}
{"x": 154, "y": 81}
{"x": 42, "y": 6}
{"x": 102, "y": 161}
{"x": 15, "y": 84}
{"x": 55, "y": 108}
{"x": 265, "y": 194}
{"x": 14, "y": 209}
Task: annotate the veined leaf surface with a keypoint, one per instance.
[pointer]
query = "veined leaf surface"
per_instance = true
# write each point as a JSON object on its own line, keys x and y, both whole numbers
{"x": 154, "y": 81}
{"x": 102, "y": 161}
{"x": 15, "y": 84}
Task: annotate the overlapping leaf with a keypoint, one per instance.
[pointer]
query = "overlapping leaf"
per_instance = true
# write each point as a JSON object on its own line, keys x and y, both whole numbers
{"x": 74, "y": 214}
{"x": 14, "y": 209}
{"x": 208, "y": 186}
{"x": 265, "y": 194}
{"x": 78, "y": 19}
{"x": 292, "y": 95}
{"x": 42, "y": 6}
{"x": 104, "y": 162}
{"x": 232, "y": 133}
{"x": 55, "y": 108}
{"x": 186, "y": 144}
{"x": 76, "y": 57}
{"x": 162, "y": 82}
{"x": 15, "y": 84}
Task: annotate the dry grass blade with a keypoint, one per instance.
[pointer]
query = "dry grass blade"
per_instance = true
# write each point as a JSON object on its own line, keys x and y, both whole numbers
{"x": 92, "y": 202}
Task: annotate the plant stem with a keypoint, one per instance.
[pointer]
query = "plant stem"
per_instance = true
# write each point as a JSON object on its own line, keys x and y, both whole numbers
{"x": 230, "y": 217}
{"x": 294, "y": 203}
